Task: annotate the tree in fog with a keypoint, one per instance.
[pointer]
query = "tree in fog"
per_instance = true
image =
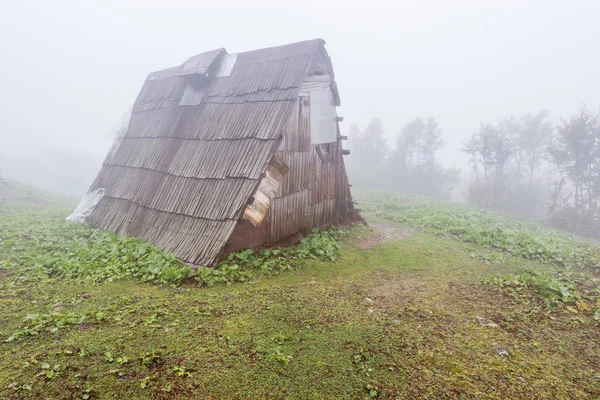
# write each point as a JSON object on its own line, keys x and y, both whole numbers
{"x": 576, "y": 154}
{"x": 489, "y": 152}
{"x": 510, "y": 164}
{"x": 530, "y": 145}
{"x": 366, "y": 165}
{"x": 414, "y": 166}
{"x": 419, "y": 141}
{"x": 528, "y": 178}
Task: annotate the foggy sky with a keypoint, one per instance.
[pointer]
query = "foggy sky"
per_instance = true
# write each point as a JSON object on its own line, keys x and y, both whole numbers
{"x": 70, "y": 68}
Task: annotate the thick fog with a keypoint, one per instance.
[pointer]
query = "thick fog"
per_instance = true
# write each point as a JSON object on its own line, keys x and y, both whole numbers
{"x": 70, "y": 69}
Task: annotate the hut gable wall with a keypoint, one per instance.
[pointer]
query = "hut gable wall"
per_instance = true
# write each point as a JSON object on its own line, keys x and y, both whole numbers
{"x": 198, "y": 144}
{"x": 313, "y": 193}
{"x": 220, "y": 153}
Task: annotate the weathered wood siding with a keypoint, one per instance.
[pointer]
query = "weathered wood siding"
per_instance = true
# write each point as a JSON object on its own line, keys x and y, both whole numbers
{"x": 313, "y": 193}
{"x": 256, "y": 211}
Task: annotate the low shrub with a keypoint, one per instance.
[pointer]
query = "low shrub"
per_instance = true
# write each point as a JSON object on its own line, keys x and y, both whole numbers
{"x": 244, "y": 265}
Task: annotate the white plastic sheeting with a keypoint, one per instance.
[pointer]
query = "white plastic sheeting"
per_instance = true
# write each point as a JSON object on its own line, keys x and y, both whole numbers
{"x": 227, "y": 65}
{"x": 192, "y": 96}
{"x": 323, "y": 114}
{"x": 87, "y": 205}
{"x": 316, "y": 82}
{"x": 322, "y": 117}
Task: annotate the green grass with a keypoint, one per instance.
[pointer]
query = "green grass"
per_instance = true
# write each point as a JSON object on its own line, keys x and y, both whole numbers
{"x": 17, "y": 194}
{"x": 516, "y": 237}
{"x": 396, "y": 321}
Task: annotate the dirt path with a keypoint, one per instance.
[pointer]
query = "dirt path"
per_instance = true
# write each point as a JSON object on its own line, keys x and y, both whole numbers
{"x": 382, "y": 233}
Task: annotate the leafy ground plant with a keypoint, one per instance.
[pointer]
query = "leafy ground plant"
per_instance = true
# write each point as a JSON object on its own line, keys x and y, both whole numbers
{"x": 565, "y": 291}
{"x": 36, "y": 241}
{"x": 398, "y": 319}
{"x": 53, "y": 248}
{"x": 245, "y": 265}
{"x": 516, "y": 237}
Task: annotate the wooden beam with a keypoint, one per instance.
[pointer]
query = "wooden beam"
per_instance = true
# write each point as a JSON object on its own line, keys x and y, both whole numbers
{"x": 320, "y": 153}
{"x": 345, "y": 152}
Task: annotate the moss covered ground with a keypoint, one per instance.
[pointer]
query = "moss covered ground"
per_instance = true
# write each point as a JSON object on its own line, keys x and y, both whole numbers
{"x": 395, "y": 320}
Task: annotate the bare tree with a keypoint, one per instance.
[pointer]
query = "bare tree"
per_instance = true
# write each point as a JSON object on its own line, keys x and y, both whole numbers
{"x": 531, "y": 142}
{"x": 489, "y": 150}
{"x": 576, "y": 154}
{"x": 414, "y": 164}
{"x": 367, "y": 164}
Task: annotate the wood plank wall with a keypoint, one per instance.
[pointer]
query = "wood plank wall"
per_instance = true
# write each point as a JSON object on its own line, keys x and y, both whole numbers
{"x": 313, "y": 194}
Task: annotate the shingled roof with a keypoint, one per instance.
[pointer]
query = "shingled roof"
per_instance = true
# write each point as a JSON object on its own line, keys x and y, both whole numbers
{"x": 182, "y": 175}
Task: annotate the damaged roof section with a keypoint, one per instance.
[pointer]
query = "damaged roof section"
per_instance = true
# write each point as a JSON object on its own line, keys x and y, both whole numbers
{"x": 199, "y": 64}
{"x": 256, "y": 212}
{"x": 200, "y": 139}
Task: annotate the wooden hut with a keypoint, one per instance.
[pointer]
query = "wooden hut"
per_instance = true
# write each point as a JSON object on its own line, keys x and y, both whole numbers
{"x": 229, "y": 151}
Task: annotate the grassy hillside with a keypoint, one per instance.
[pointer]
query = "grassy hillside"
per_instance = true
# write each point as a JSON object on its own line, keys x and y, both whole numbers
{"x": 432, "y": 301}
{"x": 14, "y": 193}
